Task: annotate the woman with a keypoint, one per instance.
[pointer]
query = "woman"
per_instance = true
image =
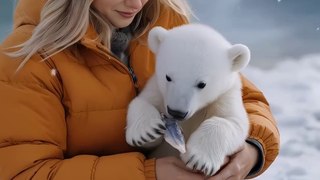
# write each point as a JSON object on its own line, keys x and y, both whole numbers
{"x": 64, "y": 98}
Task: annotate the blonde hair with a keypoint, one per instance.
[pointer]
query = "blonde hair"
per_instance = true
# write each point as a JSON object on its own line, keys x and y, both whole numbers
{"x": 60, "y": 27}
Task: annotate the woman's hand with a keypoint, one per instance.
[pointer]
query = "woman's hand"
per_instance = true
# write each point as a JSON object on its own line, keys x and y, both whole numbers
{"x": 172, "y": 168}
{"x": 239, "y": 164}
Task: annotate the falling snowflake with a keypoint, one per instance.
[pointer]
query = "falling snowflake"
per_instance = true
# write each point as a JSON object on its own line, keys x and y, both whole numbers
{"x": 318, "y": 28}
{"x": 279, "y": 0}
{"x": 53, "y": 72}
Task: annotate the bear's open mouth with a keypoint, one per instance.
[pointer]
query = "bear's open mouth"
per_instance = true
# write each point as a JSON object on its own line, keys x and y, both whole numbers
{"x": 177, "y": 114}
{"x": 168, "y": 116}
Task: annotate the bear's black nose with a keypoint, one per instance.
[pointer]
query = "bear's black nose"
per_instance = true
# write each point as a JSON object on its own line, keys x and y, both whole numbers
{"x": 176, "y": 114}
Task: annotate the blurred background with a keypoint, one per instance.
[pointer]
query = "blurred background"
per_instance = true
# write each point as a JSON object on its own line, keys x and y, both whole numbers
{"x": 273, "y": 29}
{"x": 284, "y": 38}
{"x": 6, "y": 14}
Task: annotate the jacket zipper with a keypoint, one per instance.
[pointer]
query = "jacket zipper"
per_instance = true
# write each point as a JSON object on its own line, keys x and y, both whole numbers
{"x": 133, "y": 77}
{"x": 128, "y": 68}
{"x": 130, "y": 71}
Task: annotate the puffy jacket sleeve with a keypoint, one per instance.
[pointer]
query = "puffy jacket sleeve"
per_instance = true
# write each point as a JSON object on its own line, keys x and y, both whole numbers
{"x": 263, "y": 127}
{"x": 33, "y": 131}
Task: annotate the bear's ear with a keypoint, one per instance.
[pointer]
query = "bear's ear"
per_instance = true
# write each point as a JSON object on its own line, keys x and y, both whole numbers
{"x": 155, "y": 37}
{"x": 240, "y": 56}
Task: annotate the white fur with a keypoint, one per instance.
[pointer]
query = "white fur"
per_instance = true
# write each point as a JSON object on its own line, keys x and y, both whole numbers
{"x": 216, "y": 124}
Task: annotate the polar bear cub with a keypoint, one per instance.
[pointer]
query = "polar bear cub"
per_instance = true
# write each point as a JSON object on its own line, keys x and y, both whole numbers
{"x": 196, "y": 81}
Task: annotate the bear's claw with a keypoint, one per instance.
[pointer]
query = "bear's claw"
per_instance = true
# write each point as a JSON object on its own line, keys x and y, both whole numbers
{"x": 200, "y": 166}
{"x": 201, "y": 161}
{"x": 146, "y": 136}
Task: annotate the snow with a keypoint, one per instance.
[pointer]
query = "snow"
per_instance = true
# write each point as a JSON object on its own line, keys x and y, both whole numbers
{"x": 292, "y": 88}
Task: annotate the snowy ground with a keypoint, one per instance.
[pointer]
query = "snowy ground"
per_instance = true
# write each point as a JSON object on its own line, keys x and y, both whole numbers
{"x": 293, "y": 91}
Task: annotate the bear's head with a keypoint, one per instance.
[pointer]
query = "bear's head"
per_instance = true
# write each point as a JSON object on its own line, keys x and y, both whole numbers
{"x": 194, "y": 66}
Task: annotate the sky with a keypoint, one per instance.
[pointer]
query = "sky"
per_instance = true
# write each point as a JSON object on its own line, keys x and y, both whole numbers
{"x": 272, "y": 29}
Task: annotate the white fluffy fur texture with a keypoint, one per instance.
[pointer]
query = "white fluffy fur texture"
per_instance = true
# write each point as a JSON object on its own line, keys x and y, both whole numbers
{"x": 197, "y": 73}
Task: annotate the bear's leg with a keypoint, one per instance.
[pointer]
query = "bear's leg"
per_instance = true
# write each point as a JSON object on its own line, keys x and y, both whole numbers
{"x": 215, "y": 139}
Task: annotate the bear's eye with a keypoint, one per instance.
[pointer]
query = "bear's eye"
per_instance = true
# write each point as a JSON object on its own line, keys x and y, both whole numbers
{"x": 201, "y": 85}
{"x": 168, "y": 78}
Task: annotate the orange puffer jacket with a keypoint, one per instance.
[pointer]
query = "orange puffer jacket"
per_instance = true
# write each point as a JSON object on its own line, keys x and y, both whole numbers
{"x": 64, "y": 118}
